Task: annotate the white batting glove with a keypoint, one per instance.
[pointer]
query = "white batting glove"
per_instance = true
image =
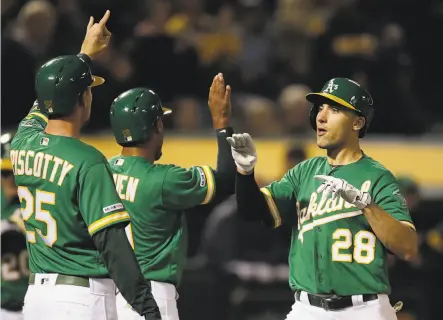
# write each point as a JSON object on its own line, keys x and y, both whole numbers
{"x": 243, "y": 151}
{"x": 339, "y": 187}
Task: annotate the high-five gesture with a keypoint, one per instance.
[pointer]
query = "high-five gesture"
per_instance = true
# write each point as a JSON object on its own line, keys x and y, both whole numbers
{"x": 97, "y": 37}
{"x": 243, "y": 151}
{"x": 220, "y": 102}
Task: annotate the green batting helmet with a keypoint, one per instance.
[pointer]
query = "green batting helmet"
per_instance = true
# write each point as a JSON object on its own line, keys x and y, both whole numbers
{"x": 133, "y": 115}
{"x": 61, "y": 81}
{"x": 346, "y": 93}
{"x": 5, "y": 144}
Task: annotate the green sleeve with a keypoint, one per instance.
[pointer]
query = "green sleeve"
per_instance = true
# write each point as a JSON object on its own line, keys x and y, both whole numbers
{"x": 35, "y": 120}
{"x": 99, "y": 203}
{"x": 387, "y": 196}
{"x": 185, "y": 188}
{"x": 281, "y": 198}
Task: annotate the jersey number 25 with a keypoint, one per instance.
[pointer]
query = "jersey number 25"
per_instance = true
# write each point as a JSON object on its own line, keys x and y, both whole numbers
{"x": 33, "y": 206}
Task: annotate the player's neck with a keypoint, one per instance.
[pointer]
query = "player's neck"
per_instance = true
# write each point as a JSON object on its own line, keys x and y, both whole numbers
{"x": 63, "y": 127}
{"x": 138, "y": 152}
{"x": 345, "y": 155}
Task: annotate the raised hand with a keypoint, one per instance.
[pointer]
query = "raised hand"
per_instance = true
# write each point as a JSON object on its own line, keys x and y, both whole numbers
{"x": 243, "y": 151}
{"x": 219, "y": 102}
{"x": 97, "y": 37}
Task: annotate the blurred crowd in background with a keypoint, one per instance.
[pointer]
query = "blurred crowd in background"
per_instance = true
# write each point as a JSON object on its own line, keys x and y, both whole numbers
{"x": 272, "y": 53}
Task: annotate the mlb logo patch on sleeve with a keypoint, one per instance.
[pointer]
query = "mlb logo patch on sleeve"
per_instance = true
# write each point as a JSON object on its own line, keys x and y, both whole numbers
{"x": 44, "y": 141}
{"x": 202, "y": 177}
{"x": 113, "y": 207}
{"x": 119, "y": 162}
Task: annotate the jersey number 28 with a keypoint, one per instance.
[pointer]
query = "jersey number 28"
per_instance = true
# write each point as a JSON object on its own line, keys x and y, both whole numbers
{"x": 364, "y": 246}
{"x": 33, "y": 206}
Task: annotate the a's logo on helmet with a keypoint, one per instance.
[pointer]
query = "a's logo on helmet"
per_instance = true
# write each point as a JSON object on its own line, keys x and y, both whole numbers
{"x": 127, "y": 135}
{"x": 331, "y": 87}
{"x": 48, "y": 106}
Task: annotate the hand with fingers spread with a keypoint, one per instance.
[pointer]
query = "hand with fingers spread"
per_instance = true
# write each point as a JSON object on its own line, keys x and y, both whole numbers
{"x": 339, "y": 187}
{"x": 243, "y": 151}
{"x": 219, "y": 102}
{"x": 97, "y": 37}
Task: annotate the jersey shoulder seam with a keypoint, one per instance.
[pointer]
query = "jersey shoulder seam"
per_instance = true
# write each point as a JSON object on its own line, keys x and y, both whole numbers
{"x": 92, "y": 165}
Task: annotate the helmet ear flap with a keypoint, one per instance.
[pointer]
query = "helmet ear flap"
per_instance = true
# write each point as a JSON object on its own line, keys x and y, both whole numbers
{"x": 368, "y": 119}
{"x": 313, "y": 116}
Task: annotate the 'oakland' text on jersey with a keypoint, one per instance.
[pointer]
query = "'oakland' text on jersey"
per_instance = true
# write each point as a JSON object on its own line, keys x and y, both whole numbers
{"x": 331, "y": 235}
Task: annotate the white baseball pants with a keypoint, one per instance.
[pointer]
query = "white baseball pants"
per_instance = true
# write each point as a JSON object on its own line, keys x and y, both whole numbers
{"x": 46, "y": 301}
{"x": 379, "y": 309}
{"x": 164, "y": 294}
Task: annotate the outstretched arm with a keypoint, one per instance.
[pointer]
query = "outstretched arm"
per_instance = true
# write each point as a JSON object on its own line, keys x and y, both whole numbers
{"x": 251, "y": 202}
{"x": 219, "y": 102}
{"x": 274, "y": 204}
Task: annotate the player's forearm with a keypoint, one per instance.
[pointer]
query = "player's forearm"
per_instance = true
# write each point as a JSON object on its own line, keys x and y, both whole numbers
{"x": 119, "y": 258}
{"x": 225, "y": 162}
{"x": 251, "y": 203}
{"x": 225, "y": 173}
{"x": 395, "y": 235}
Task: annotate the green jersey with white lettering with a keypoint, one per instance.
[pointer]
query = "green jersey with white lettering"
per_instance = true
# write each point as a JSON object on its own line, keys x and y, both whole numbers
{"x": 333, "y": 248}
{"x": 156, "y": 196}
{"x": 67, "y": 194}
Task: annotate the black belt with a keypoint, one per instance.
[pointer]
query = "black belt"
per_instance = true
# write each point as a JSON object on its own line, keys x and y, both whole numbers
{"x": 335, "y": 303}
{"x": 67, "y": 280}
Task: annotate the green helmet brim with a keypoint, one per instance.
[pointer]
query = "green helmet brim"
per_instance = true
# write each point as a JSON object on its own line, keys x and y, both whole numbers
{"x": 319, "y": 98}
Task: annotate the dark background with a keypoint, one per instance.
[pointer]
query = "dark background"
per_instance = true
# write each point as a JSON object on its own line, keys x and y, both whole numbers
{"x": 272, "y": 53}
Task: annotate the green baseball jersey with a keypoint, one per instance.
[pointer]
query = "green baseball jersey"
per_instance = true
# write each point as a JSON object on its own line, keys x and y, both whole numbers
{"x": 333, "y": 248}
{"x": 67, "y": 194}
{"x": 155, "y": 196}
{"x": 15, "y": 267}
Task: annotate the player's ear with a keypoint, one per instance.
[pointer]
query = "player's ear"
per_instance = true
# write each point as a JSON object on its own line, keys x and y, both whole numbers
{"x": 159, "y": 126}
{"x": 359, "y": 122}
{"x": 81, "y": 100}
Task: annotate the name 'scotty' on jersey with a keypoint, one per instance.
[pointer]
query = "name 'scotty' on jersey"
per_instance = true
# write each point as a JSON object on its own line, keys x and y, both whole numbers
{"x": 40, "y": 165}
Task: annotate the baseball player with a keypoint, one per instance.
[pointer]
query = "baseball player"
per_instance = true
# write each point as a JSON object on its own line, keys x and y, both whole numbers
{"x": 346, "y": 211}
{"x": 156, "y": 195}
{"x": 73, "y": 216}
{"x": 15, "y": 269}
